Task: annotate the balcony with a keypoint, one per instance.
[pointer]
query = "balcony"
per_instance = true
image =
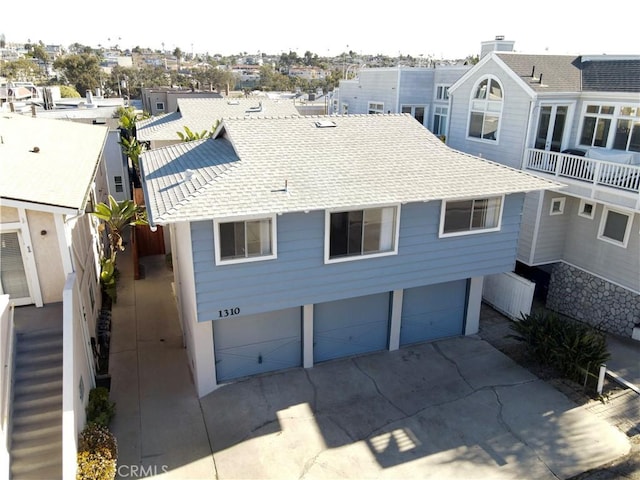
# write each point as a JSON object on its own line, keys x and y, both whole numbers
{"x": 607, "y": 181}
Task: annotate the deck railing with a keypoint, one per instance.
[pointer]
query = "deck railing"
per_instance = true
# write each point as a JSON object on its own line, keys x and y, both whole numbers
{"x": 598, "y": 172}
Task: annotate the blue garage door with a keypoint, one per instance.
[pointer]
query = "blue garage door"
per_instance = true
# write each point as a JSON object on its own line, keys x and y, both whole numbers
{"x": 350, "y": 327}
{"x": 432, "y": 312}
{"x": 257, "y": 343}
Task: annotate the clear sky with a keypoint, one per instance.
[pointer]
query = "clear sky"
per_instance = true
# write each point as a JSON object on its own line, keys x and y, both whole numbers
{"x": 445, "y": 29}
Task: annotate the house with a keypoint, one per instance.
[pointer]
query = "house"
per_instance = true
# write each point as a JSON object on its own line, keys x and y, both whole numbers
{"x": 158, "y": 101}
{"x": 575, "y": 119}
{"x": 201, "y": 114}
{"x": 298, "y": 240}
{"x": 49, "y": 265}
{"x": 418, "y": 91}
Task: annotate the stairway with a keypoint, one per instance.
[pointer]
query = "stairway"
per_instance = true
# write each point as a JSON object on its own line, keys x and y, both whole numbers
{"x": 36, "y": 429}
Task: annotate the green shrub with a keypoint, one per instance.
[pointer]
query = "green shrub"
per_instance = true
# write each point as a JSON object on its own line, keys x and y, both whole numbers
{"x": 97, "y": 453}
{"x": 574, "y": 349}
{"x": 100, "y": 409}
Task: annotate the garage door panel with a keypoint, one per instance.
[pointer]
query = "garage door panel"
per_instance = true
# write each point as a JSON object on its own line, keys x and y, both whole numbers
{"x": 350, "y": 327}
{"x": 257, "y": 343}
{"x": 432, "y": 312}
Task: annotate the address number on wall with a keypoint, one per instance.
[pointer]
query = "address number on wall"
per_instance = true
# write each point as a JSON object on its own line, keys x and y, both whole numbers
{"x": 228, "y": 312}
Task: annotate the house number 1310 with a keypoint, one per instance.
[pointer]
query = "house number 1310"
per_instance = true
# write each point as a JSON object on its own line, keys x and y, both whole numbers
{"x": 227, "y": 312}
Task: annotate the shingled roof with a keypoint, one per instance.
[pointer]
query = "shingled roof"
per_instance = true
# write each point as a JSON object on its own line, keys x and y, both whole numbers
{"x": 293, "y": 164}
{"x": 201, "y": 114}
{"x": 570, "y": 73}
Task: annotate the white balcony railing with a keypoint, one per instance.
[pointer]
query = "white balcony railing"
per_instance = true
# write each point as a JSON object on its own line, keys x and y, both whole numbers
{"x": 597, "y": 172}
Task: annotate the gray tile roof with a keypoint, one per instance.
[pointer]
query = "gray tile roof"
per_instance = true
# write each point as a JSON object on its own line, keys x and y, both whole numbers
{"x": 611, "y": 76}
{"x": 568, "y": 73}
{"x": 560, "y": 73}
{"x": 202, "y": 113}
{"x": 364, "y": 160}
{"x": 62, "y": 171}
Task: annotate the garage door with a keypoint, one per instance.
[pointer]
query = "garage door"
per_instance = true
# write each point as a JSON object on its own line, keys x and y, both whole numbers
{"x": 350, "y": 327}
{"x": 257, "y": 343}
{"x": 432, "y": 312}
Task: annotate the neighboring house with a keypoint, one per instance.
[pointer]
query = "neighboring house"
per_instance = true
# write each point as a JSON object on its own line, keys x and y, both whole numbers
{"x": 575, "y": 119}
{"x": 420, "y": 92}
{"x": 49, "y": 170}
{"x": 303, "y": 239}
{"x": 200, "y": 114}
{"x": 158, "y": 101}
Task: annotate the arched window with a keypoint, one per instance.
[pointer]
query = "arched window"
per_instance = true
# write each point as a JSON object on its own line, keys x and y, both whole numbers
{"x": 486, "y": 109}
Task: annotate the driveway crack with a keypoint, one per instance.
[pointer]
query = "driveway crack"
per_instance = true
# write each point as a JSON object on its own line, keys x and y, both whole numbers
{"x": 315, "y": 389}
{"x": 377, "y": 387}
{"x": 436, "y": 347}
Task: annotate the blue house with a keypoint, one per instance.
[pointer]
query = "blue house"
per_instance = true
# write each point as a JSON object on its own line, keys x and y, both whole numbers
{"x": 298, "y": 240}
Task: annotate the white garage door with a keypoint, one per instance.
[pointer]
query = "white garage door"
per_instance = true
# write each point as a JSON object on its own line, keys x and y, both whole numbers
{"x": 432, "y": 312}
{"x": 257, "y": 343}
{"x": 350, "y": 327}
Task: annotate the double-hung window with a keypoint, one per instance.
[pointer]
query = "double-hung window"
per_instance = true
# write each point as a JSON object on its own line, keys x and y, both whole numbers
{"x": 442, "y": 92}
{"x": 461, "y": 217}
{"x": 376, "y": 107}
{"x": 245, "y": 240}
{"x": 486, "y": 109}
{"x": 359, "y": 233}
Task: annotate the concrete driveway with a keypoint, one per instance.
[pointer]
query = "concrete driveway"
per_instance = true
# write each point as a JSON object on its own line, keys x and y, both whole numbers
{"x": 456, "y": 408}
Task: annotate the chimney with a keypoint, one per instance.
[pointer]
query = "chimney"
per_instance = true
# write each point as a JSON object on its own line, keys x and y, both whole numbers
{"x": 33, "y": 110}
{"x": 89, "y": 97}
{"x": 499, "y": 44}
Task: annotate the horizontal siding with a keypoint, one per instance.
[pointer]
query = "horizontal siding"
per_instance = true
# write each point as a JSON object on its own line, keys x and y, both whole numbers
{"x": 513, "y": 123}
{"x": 527, "y": 229}
{"x": 550, "y": 241}
{"x": 612, "y": 262}
{"x": 416, "y": 87}
{"x": 299, "y": 276}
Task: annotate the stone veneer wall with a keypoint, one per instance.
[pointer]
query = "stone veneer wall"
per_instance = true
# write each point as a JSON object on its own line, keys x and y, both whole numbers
{"x": 578, "y": 294}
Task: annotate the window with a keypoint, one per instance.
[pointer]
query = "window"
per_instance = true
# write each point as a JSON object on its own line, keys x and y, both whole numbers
{"x": 416, "y": 111}
{"x": 557, "y": 206}
{"x": 160, "y": 106}
{"x": 486, "y": 108}
{"x": 376, "y": 107}
{"x": 118, "y": 182}
{"x": 611, "y": 126}
{"x": 359, "y": 233}
{"x": 442, "y": 92}
{"x": 586, "y": 209}
{"x": 245, "y": 240}
{"x": 345, "y": 109}
{"x": 440, "y": 120}
{"x": 478, "y": 215}
{"x": 615, "y": 227}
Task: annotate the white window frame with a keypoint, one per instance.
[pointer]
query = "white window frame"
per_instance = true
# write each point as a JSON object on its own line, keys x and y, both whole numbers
{"x": 119, "y": 184}
{"x": 603, "y": 221}
{"x": 442, "y": 92}
{"x": 489, "y": 107}
{"x": 362, "y": 256}
{"x": 614, "y": 118}
{"x": 560, "y": 201}
{"x": 581, "y": 211}
{"x": 443, "y": 211}
{"x": 444, "y": 117}
{"x": 274, "y": 239}
{"x": 375, "y": 108}
{"x": 412, "y": 112}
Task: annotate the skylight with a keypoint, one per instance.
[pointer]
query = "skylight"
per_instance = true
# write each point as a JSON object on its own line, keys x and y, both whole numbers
{"x": 325, "y": 124}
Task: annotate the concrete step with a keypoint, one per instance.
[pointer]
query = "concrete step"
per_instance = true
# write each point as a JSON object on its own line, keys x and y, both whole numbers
{"x": 42, "y": 385}
{"x": 42, "y": 372}
{"x": 28, "y": 342}
{"x": 45, "y": 464}
{"x": 52, "y": 400}
{"x": 35, "y": 416}
{"x": 34, "y": 431}
{"x": 50, "y": 443}
{"x": 50, "y": 355}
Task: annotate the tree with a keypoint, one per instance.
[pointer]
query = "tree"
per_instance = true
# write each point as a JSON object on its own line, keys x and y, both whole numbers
{"x": 68, "y": 92}
{"x": 190, "y": 136}
{"x": 82, "y": 70}
{"x": 22, "y": 70}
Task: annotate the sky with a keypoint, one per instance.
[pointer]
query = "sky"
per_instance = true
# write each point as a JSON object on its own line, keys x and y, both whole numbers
{"x": 448, "y": 29}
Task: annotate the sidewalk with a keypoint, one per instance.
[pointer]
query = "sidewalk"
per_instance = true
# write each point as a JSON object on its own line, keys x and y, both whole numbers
{"x": 158, "y": 423}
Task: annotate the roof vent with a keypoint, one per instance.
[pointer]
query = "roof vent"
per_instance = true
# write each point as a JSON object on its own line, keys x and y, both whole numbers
{"x": 35, "y": 150}
{"x": 325, "y": 124}
{"x": 188, "y": 174}
{"x": 233, "y": 102}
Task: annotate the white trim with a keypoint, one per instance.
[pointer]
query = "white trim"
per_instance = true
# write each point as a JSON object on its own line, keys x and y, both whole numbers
{"x": 443, "y": 209}
{"x": 369, "y": 103}
{"x": 396, "y": 319}
{"x": 28, "y": 255}
{"x": 474, "y": 303}
{"x": 489, "y": 77}
{"x": 274, "y": 238}
{"x": 40, "y": 207}
{"x": 362, "y": 256}
{"x": 581, "y": 212}
{"x": 627, "y": 231}
{"x": 307, "y": 336}
{"x": 64, "y": 242}
{"x": 536, "y": 228}
{"x": 561, "y": 202}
